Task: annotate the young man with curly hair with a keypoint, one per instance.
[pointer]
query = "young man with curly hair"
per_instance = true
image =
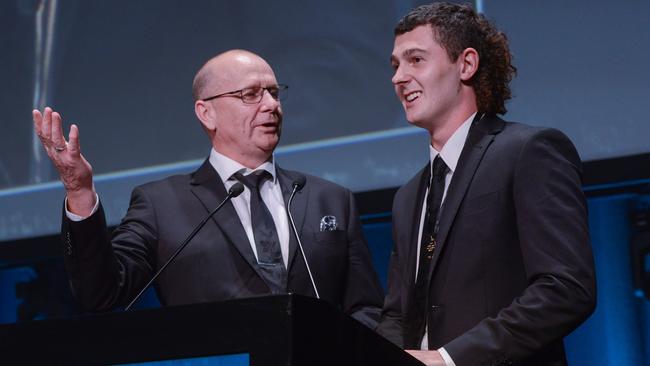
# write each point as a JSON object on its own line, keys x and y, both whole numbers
{"x": 491, "y": 263}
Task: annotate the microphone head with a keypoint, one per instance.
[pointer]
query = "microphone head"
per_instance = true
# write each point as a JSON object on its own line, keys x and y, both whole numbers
{"x": 299, "y": 182}
{"x": 236, "y": 189}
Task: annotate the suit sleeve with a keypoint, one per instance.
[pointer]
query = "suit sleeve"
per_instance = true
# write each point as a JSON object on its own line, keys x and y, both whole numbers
{"x": 363, "y": 293}
{"x": 551, "y": 216}
{"x": 105, "y": 273}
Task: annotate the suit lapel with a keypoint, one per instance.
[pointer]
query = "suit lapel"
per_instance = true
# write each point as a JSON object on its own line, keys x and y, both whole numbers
{"x": 209, "y": 189}
{"x": 479, "y": 138}
{"x": 298, "y": 208}
{"x": 413, "y": 202}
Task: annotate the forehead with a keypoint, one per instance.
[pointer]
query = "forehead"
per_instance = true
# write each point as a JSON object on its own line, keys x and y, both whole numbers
{"x": 420, "y": 39}
{"x": 244, "y": 72}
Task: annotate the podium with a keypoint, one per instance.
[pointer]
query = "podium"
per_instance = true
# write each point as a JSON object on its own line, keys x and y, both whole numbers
{"x": 270, "y": 330}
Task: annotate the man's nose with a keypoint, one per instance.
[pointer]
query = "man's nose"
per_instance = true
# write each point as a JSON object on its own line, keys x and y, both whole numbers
{"x": 400, "y": 76}
{"x": 268, "y": 101}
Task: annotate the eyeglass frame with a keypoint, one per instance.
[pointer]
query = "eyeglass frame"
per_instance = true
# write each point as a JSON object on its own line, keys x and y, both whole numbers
{"x": 234, "y": 93}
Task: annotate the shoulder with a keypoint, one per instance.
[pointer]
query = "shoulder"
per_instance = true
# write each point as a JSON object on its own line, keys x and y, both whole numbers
{"x": 314, "y": 183}
{"x": 521, "y": 133}
{"x": 165, "y": 186}
{"x": 515, "y": 138}
{"x": 521, "y": 146}
{"x": 410, "y": 188}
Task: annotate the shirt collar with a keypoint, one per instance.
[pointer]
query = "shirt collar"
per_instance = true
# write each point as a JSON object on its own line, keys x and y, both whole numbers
{"x": 450, "y": 153}
{"x": 226, "y": 166}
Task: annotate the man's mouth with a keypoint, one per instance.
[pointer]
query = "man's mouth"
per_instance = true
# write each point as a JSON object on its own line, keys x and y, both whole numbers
{"x": 410, "y": 97}
{"x": 270, "y": 124}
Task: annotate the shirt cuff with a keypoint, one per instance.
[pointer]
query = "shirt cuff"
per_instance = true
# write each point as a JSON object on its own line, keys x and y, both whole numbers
{"x": 77, "y": 218}
{"x": 446, "y": 357}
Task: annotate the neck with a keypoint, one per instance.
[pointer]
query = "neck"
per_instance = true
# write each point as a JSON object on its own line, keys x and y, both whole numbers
{"x": 250, "y": 161}
{"x": 441, "y": 130}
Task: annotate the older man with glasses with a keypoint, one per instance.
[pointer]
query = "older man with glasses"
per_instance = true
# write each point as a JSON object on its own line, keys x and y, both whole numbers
{"x": 249, "y": 247}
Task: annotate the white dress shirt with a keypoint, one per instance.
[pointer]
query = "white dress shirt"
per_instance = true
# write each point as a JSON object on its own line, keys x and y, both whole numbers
{"x": 450, "y": 154}
{"x": 271, "y": 195}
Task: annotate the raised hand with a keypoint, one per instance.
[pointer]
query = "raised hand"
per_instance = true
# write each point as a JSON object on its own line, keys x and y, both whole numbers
{"x": 74, "y": 170}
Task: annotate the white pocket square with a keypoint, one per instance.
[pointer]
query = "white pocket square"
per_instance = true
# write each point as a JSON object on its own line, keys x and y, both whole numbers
{"x": 328, "y": 223}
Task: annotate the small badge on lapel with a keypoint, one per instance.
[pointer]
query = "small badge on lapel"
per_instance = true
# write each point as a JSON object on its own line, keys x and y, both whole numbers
{"x": 328, "y": 223}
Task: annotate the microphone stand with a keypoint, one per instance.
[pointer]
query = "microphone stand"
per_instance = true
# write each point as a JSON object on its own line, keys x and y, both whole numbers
{"x": 234, "y": 191}
{"x": 297, "y": 185}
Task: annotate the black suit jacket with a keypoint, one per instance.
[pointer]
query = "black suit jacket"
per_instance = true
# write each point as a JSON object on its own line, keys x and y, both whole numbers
{"x": 513, "y": 271}
{"x": 219, "y": 264}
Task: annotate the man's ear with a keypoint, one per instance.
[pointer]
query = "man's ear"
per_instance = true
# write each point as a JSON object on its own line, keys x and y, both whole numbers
{"x": 469, "y": 62}
{"x": 205, "y": 114}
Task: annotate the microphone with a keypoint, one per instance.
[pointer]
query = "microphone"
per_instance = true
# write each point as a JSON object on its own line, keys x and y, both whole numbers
{"x": 234, "y": 191}
{"x": 298, "y": 184}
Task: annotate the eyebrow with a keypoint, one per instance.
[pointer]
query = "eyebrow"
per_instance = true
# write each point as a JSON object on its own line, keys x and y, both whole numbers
{"x": 407, "y": 52}
{"x": 411, "y": 51}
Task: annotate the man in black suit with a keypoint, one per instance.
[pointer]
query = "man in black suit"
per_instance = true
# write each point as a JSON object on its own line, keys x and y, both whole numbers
{"x": 491, "y": 263}
{"x": 248, "y": 248}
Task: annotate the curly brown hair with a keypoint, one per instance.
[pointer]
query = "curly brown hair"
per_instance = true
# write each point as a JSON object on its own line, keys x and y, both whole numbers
{"x": 457, "y": 27}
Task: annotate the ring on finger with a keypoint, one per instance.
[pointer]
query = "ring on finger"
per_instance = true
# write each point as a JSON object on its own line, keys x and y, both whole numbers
{"x": 59, "y": 148}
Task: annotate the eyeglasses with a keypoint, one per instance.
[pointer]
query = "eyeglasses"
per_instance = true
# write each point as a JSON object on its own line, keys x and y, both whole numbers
{"x": 254, "y": 95}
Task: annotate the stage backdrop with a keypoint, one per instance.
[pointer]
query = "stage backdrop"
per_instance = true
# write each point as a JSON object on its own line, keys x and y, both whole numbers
{"x": 122, "y": 70}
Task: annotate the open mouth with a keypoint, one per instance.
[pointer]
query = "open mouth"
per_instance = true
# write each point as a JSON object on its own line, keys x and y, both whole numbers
{"x": 271, "y": 125}
{"x": 410, "y": 97}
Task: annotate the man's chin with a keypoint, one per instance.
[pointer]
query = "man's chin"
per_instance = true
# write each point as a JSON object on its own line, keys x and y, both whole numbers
{"x": 417, "y": 122}
{"x": 269, "y": 143}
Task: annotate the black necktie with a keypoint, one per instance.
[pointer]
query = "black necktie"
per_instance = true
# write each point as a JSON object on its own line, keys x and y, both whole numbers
{"x": 269, "y": 255}
{"x": 428, "y": 243}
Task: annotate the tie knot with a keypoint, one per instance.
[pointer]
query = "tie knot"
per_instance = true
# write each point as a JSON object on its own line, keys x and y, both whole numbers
{"x": 439, "y": 167}
{"x": 254, "y": 179}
